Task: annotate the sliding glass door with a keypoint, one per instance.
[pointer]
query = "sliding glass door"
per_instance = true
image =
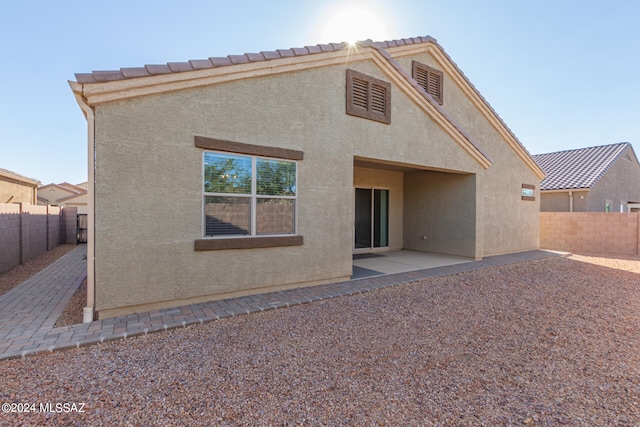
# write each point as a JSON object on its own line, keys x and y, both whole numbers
{"x": 371, "y": 218}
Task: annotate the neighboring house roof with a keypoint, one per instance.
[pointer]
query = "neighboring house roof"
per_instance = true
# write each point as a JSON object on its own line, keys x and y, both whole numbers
{"x": 72, "y": 187}
{"x": 67, "y": 199}
{"x": 65, "y": 191}
{"x": 127, "y": 82}
{"x": 581, "y": 168}
{"x": 69, "y": 188}
{"x": 7, "y": 175}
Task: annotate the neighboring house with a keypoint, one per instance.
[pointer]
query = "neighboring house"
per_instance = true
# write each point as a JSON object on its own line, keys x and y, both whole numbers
{"x": 78, "y": 201}
{"x": 15, "y": 188}
{"x": 595, "y": 179}
{"x": 230, "y": 176}
{"x": 64, "y": 195}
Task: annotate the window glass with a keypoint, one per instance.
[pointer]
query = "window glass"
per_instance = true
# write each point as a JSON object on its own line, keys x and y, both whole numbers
{"x": 248, "y": 195}
{"x": 225, "y": 173}
{"x": 227, "y": 215}
{"x": 276, "y": 178}
{"x": 275, "y": 216}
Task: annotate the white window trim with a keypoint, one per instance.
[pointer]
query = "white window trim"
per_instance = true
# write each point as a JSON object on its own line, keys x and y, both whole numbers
{"x": 254, "y": 197}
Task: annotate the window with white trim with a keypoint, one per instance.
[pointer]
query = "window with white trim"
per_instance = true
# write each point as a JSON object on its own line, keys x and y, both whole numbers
{"x": 248, "y": 195}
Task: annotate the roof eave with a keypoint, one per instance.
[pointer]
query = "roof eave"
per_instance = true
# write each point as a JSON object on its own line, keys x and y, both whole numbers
{"x": 90, "y": 93}
{"x": 565, "y": 190}
{"x": 476, "y": 97}
{"x": 20, "y": 179}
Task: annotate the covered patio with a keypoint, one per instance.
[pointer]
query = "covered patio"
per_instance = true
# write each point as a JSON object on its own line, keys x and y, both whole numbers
{"x": 381, "y": 263}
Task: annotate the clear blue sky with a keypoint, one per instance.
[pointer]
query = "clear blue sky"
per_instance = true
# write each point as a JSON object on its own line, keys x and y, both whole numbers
{"x": 561, "y": 73}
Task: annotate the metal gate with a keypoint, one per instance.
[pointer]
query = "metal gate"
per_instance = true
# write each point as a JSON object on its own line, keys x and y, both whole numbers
{"x": 81, "y": 236}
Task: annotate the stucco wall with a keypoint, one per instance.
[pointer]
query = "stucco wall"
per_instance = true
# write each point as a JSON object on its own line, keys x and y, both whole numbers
{"x": 79, "y": 202}
{"x": 508, "y": 223}
{"x": 620, "y": 184}
{"x": 560, "y": 201}
{"x": 554, "y": 202}
{"x": 440, "y": 213}
{"x": 148, "y": 188}
{"x": 12, "y": 192}
{"x": 53, "y": 193}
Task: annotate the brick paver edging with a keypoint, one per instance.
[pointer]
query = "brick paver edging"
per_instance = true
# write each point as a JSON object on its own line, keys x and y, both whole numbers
{"x": 123, "y": 327}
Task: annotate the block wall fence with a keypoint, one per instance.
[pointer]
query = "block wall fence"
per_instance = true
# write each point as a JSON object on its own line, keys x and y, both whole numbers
{"x": 26, "y": 231}
{"x": 591, "y": 232}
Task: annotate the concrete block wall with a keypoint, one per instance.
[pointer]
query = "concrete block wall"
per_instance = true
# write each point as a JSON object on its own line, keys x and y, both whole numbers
{"x": 9, "y": 236}
{"x": 54, "y": 227}
{"x": 26, "y": 231}
{"x": 69, "y": 224}
{"x": 34, "y": 231}
{"x": 591, "y": 232}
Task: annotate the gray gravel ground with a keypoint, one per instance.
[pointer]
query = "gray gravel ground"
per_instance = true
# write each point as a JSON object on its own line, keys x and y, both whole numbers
{"x": 543, "y": 343}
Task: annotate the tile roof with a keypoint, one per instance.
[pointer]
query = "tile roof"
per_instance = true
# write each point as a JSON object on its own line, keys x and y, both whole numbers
{"x": 73, "y": 196}
{"x": 17, "y": 177}
{"x": 579, "y": 168}
{"x": 215, "y": 62}
{"x": 72, "y": 187}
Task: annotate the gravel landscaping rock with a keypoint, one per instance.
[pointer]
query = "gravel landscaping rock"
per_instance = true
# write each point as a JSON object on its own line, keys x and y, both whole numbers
{"x": 72, "y": 313}
{"x": 19, "y": 274}
{"x": 543, "y": 343}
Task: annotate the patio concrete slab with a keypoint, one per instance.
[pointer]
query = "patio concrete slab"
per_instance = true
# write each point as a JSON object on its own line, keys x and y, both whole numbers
{"x": 406, "y": 260}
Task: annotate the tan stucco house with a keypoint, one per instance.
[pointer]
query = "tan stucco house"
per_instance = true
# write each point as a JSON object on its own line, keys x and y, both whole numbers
{"x": 16, "y": 188}
{"x": 605, "y": 178}
{"x": 64, "y": 195}
{"x": 229, "y": 176}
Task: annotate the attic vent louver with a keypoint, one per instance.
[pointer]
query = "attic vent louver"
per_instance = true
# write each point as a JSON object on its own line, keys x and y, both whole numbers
{"x": 368, "y": 97}
{"x": 430, "y": 79}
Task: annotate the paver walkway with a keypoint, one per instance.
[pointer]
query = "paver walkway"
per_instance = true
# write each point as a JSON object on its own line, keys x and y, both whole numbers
{"x": 29, "y": 311}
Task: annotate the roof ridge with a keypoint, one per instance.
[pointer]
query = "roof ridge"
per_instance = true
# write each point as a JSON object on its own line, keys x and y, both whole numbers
{"x": 581, "y": 148}
{"x": 215, "y": 62}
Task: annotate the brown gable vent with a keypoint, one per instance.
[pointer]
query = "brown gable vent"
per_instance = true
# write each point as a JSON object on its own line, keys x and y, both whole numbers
{"x": 368, "y": 97}
{"x": 430, "y": 79}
